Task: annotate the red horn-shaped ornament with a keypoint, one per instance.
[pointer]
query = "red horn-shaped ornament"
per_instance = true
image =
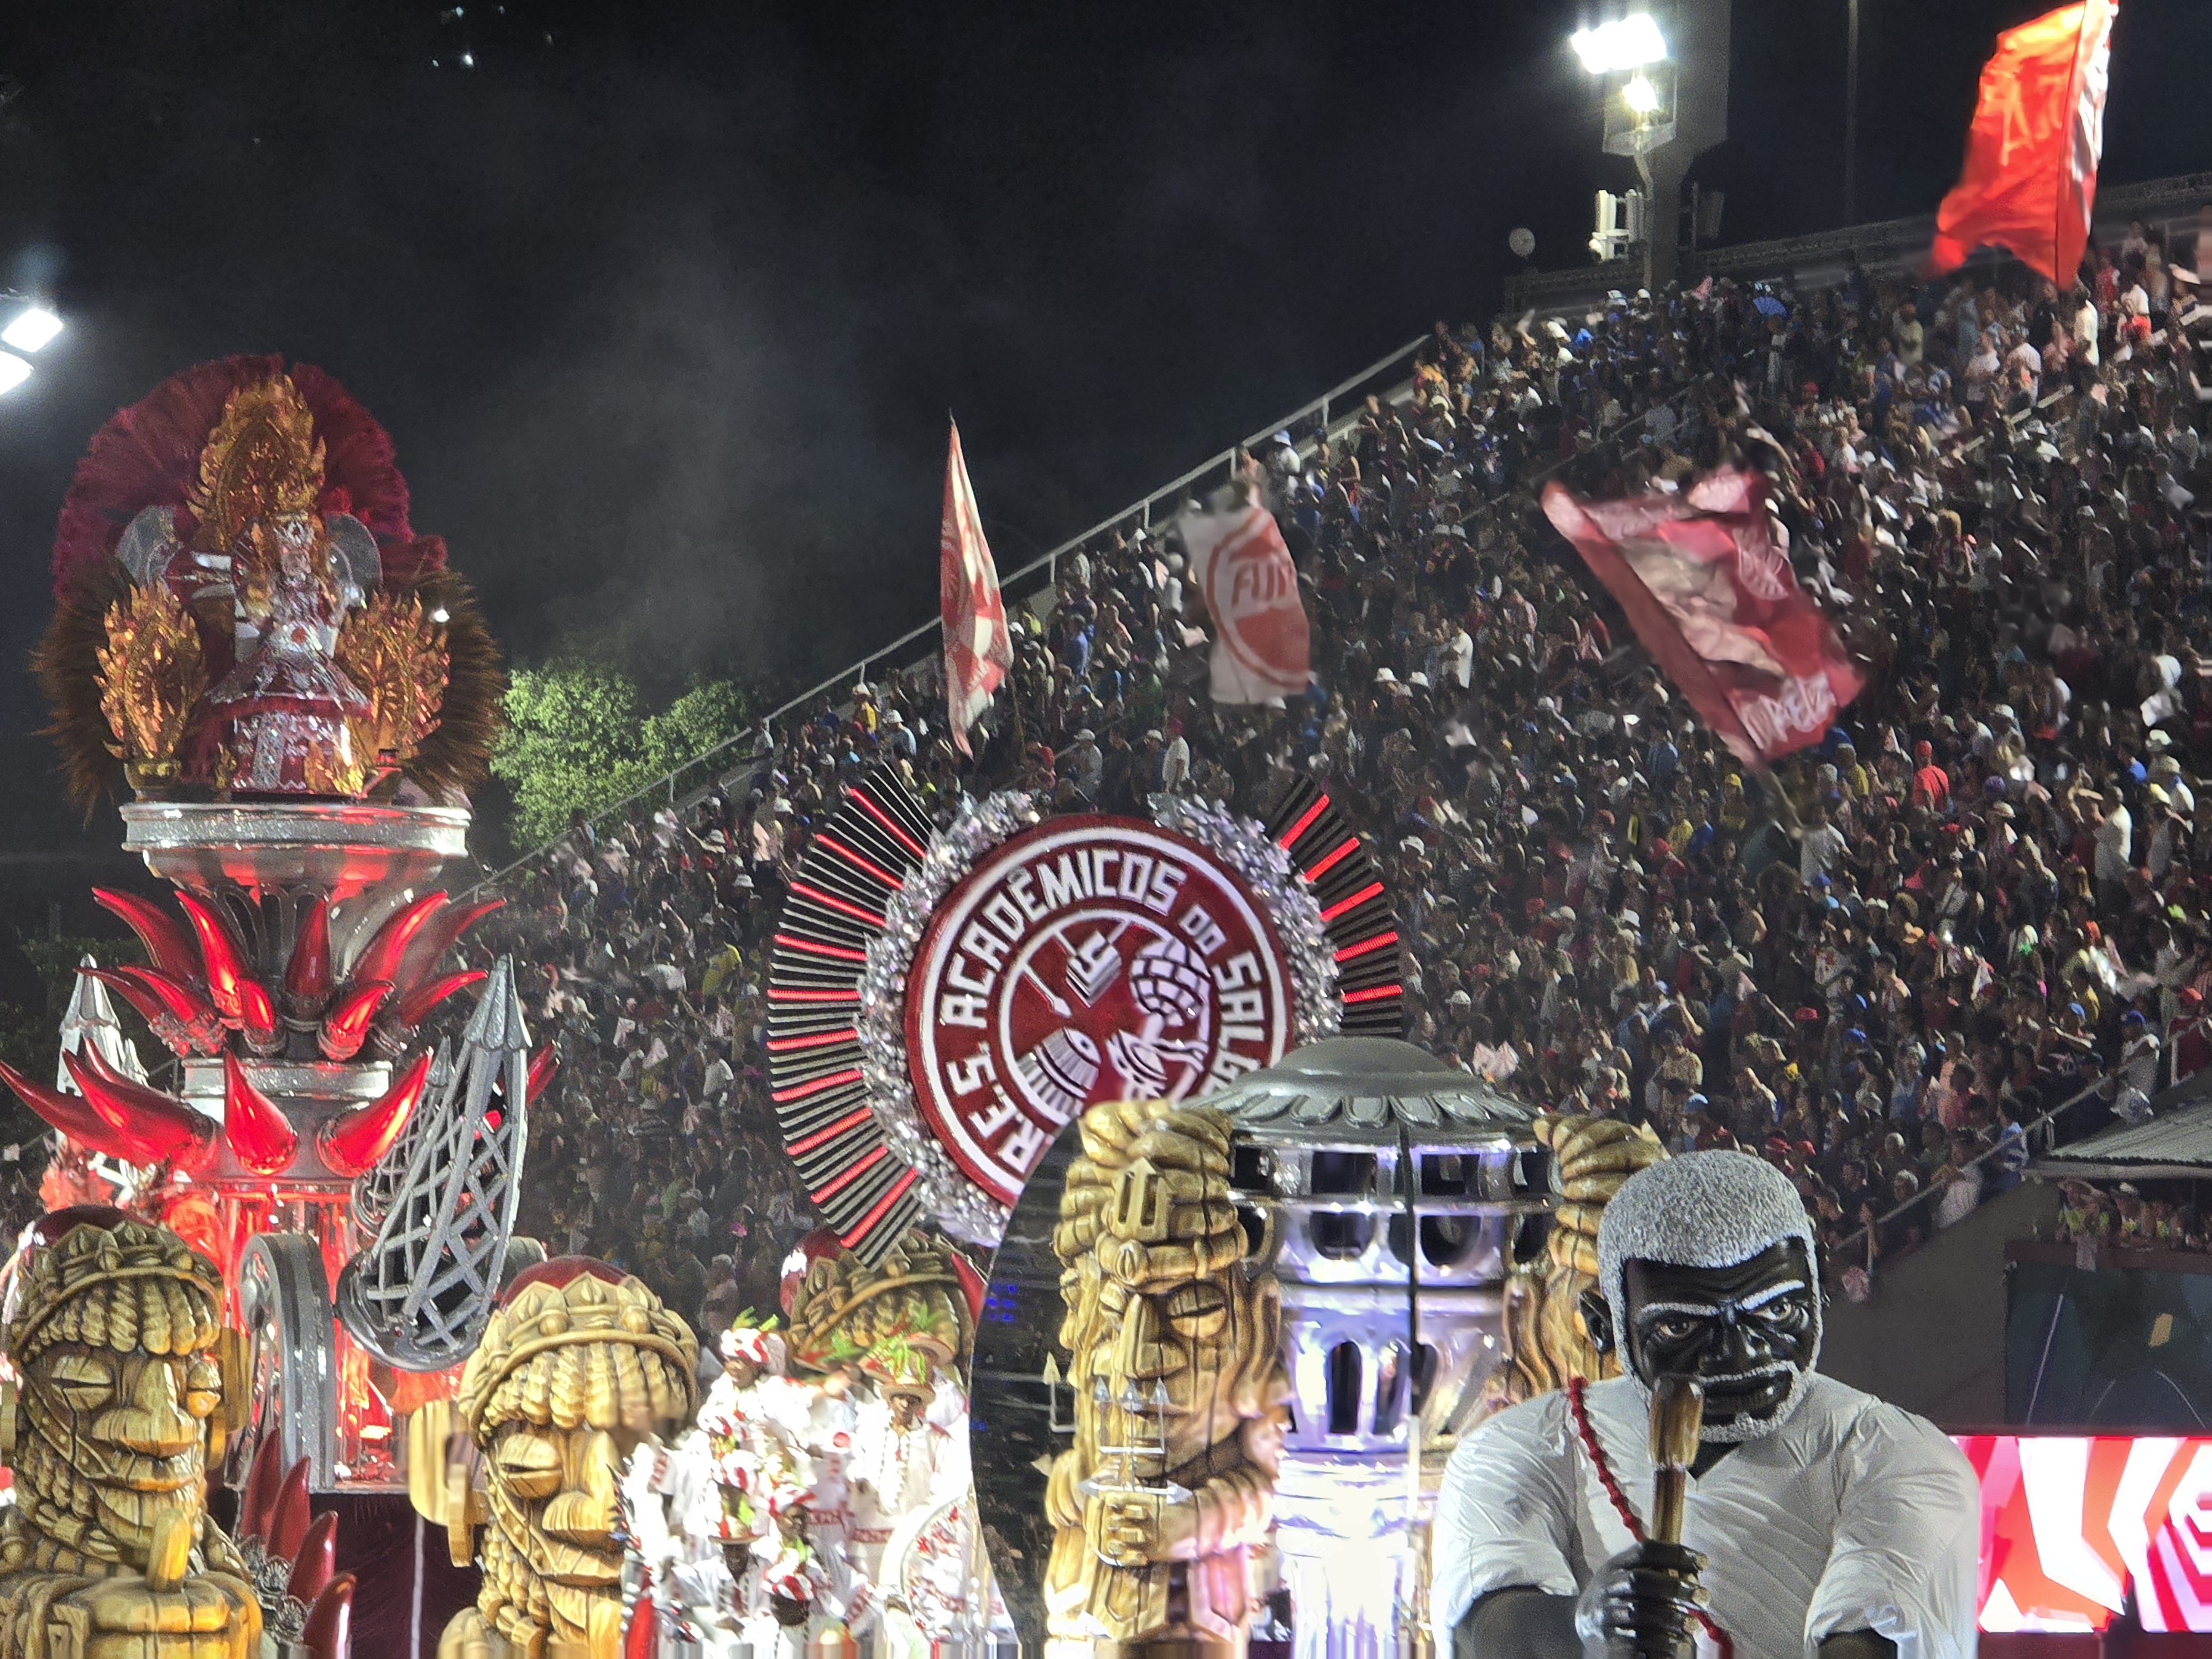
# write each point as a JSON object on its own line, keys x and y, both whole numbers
{"x": 76, "y": 1119}
{"x": 311, "y": 974}
{"x": 410, "y": 1013}
{"x": 318, "y": 1561}
{"x": 353, "y": 1145}
{"x": 545, "y": 1066}
{"x": 430, "y": 946}
{"x": 380, "y": 960}
{"x": 168, "y": 945}
{"x": 328, "y": 1634}
{"x": 180, "y": 1017}
{"x": 258, "y": 1501}
{"x": 345, "y": 1028}
{"x": 222, "y": 959}
{"x": 288, "y": 1519}
{"x": 161, "y": 1123}
{"x": 260, "y": 1135}
{"x": 257, "y": 1017}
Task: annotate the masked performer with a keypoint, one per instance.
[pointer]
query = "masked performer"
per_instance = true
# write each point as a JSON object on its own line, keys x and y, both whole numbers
{"x": 1820, "y": 1521}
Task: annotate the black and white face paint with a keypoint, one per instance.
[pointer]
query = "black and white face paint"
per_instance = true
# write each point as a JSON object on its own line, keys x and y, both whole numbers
{"x": 1748, "y": 1335}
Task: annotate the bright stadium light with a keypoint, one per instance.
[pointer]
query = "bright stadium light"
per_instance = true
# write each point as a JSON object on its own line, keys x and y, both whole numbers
{"x": 1628, "y": 43}
{"x": 14, "y": 371}
{"x": 1641, "y": 96}
{"x": 33, "y": 329}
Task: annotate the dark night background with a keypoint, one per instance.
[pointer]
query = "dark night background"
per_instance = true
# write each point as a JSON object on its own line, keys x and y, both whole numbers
{"x": 664, "y": 304}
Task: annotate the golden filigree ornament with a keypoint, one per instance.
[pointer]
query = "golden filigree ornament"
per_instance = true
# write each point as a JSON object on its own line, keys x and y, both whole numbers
{"x": 261, "y": 465}
{"x": 151, "y": 675}
{"x": 1181, "y": 1393}
{"x": 396, "y": 654}
{"x": 1545, "y": 1341}
{"x": 125, "y": 1385}
{"x": 578, "y": 1367}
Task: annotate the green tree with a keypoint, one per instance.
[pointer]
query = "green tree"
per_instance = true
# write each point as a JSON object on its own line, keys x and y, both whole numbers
{"x": 578, "y": 737}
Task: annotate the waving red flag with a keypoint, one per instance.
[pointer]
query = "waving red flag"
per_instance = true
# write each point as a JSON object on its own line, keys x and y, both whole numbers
{"x": 1239, "y": 562}
{"x": 2038, "y": 131}
{"x": 1715, "y": 602}
{"x": 979, "y": 650}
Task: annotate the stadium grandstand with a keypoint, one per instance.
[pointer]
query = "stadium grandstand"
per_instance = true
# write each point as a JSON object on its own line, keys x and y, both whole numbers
{"x": 1973, "y": 925}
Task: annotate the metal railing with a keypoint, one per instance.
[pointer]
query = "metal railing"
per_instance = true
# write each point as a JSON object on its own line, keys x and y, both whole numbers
{"x": 1865, "y": 1239}
{"x": 1319, "y": 417}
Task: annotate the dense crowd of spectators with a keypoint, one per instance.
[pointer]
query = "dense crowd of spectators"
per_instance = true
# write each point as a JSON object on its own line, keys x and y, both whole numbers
{"x": 1983, "y": 895}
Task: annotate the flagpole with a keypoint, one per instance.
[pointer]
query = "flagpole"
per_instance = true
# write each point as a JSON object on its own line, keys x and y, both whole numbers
{"x": 1851, "y": 113}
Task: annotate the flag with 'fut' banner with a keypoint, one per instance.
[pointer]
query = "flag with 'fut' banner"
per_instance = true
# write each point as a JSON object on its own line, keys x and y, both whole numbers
{"x": 1715, "y": 603}
{"x": 979, "y": 650}
{"x": 2038, "y": 131}
{"x": 1262, "y": 644}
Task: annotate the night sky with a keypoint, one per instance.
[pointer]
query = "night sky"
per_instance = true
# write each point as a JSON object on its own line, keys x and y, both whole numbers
{"x": 664, "y": 304}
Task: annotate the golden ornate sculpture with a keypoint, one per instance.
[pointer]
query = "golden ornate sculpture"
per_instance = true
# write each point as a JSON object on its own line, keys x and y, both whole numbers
{"x": 241, "y": 604}
{"x": 392, "y": 650}
{"x": 151, "y": 674}
{"x": 1544, "y": 1341}
{"x": 579, "y": 1365}
{"x": 1181, "y": 1393}
{"x": 897, "y": 1322}
{"x": 108, "y": 1551}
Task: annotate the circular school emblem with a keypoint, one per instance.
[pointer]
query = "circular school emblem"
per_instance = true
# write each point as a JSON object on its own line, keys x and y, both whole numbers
{"x": 1087, "y": 959}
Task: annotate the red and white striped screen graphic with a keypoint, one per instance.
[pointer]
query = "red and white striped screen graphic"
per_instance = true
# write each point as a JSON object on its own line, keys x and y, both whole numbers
{"x": 2075, "y": 1528}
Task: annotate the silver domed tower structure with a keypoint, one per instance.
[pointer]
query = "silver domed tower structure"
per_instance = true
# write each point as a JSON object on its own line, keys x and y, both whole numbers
{"x": 1400, "y": 1189}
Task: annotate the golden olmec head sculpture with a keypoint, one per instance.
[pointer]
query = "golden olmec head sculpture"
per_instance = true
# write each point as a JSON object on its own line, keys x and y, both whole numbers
{"x": 579, "y": 1365}
{"x": 115, "y": 1334}
{"x": 1545, "y": 1343}
{"x": 1180, "y": 1392}
{"x": 902, "y": 1322}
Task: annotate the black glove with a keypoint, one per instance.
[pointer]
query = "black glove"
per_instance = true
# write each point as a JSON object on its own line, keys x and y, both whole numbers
{"x": 1642, "y": 1605}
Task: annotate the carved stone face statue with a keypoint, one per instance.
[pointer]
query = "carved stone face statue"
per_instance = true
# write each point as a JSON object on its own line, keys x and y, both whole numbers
{"x": 579, "y": 1363}
{"x": 1175, "y": 1339}
{"x": 113, "y": 1329}
{"x": 114, "y": 1339}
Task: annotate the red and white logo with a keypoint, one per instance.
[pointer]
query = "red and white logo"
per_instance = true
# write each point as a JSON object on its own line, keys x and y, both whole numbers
{"x": 1088, "y": 959}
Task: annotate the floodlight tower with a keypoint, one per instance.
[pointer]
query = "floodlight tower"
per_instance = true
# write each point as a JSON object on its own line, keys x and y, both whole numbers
{"x": 1665, "y": 73}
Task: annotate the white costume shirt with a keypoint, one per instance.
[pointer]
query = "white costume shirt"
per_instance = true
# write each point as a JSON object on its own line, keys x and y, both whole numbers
{"x": 1855, "y": 1515}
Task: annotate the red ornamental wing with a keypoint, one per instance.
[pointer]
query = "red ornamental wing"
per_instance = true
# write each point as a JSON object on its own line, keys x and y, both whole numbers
{"x": 2030, "y": 177}
{"x": 1713, "y": 600}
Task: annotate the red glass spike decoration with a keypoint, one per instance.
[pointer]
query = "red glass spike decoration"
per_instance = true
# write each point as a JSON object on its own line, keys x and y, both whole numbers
{"x": 257, "y": 1017}
{"x": 180, "y": 1015}
{"x": 168, "y": 945}
{"x": 260, "y": 1135}
{"x": 310, "y": 975}
{"x": 161, "y": 1123}
{"x": 410, "y": 1013}
{"x": 76, "y": 1119}
{"x": 222, "y": 962}
{"x": 288, "y": 1517}
{"x": 545, "y": 1066}
{"x": 258, "y": 1502}
{"x": 379, "y": 959}
{"x": 352, "y": 1144}
{"x": 328, "y": 1634}
{"x": 439, "y": 936}
{"x": 317, "y": 1563}
{"x": 345, "y": 1028}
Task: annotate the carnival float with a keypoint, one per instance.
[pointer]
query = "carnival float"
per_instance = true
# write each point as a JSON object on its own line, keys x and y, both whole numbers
{"x": 1118, "y": 1160}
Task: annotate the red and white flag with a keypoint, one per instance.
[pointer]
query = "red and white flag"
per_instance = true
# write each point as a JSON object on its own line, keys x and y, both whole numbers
{"x": 1715, "y": 602}
{"x": 1261, "y": 642}
{"x": 979, "y": 650}
{"x": 2038, "y": 131}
